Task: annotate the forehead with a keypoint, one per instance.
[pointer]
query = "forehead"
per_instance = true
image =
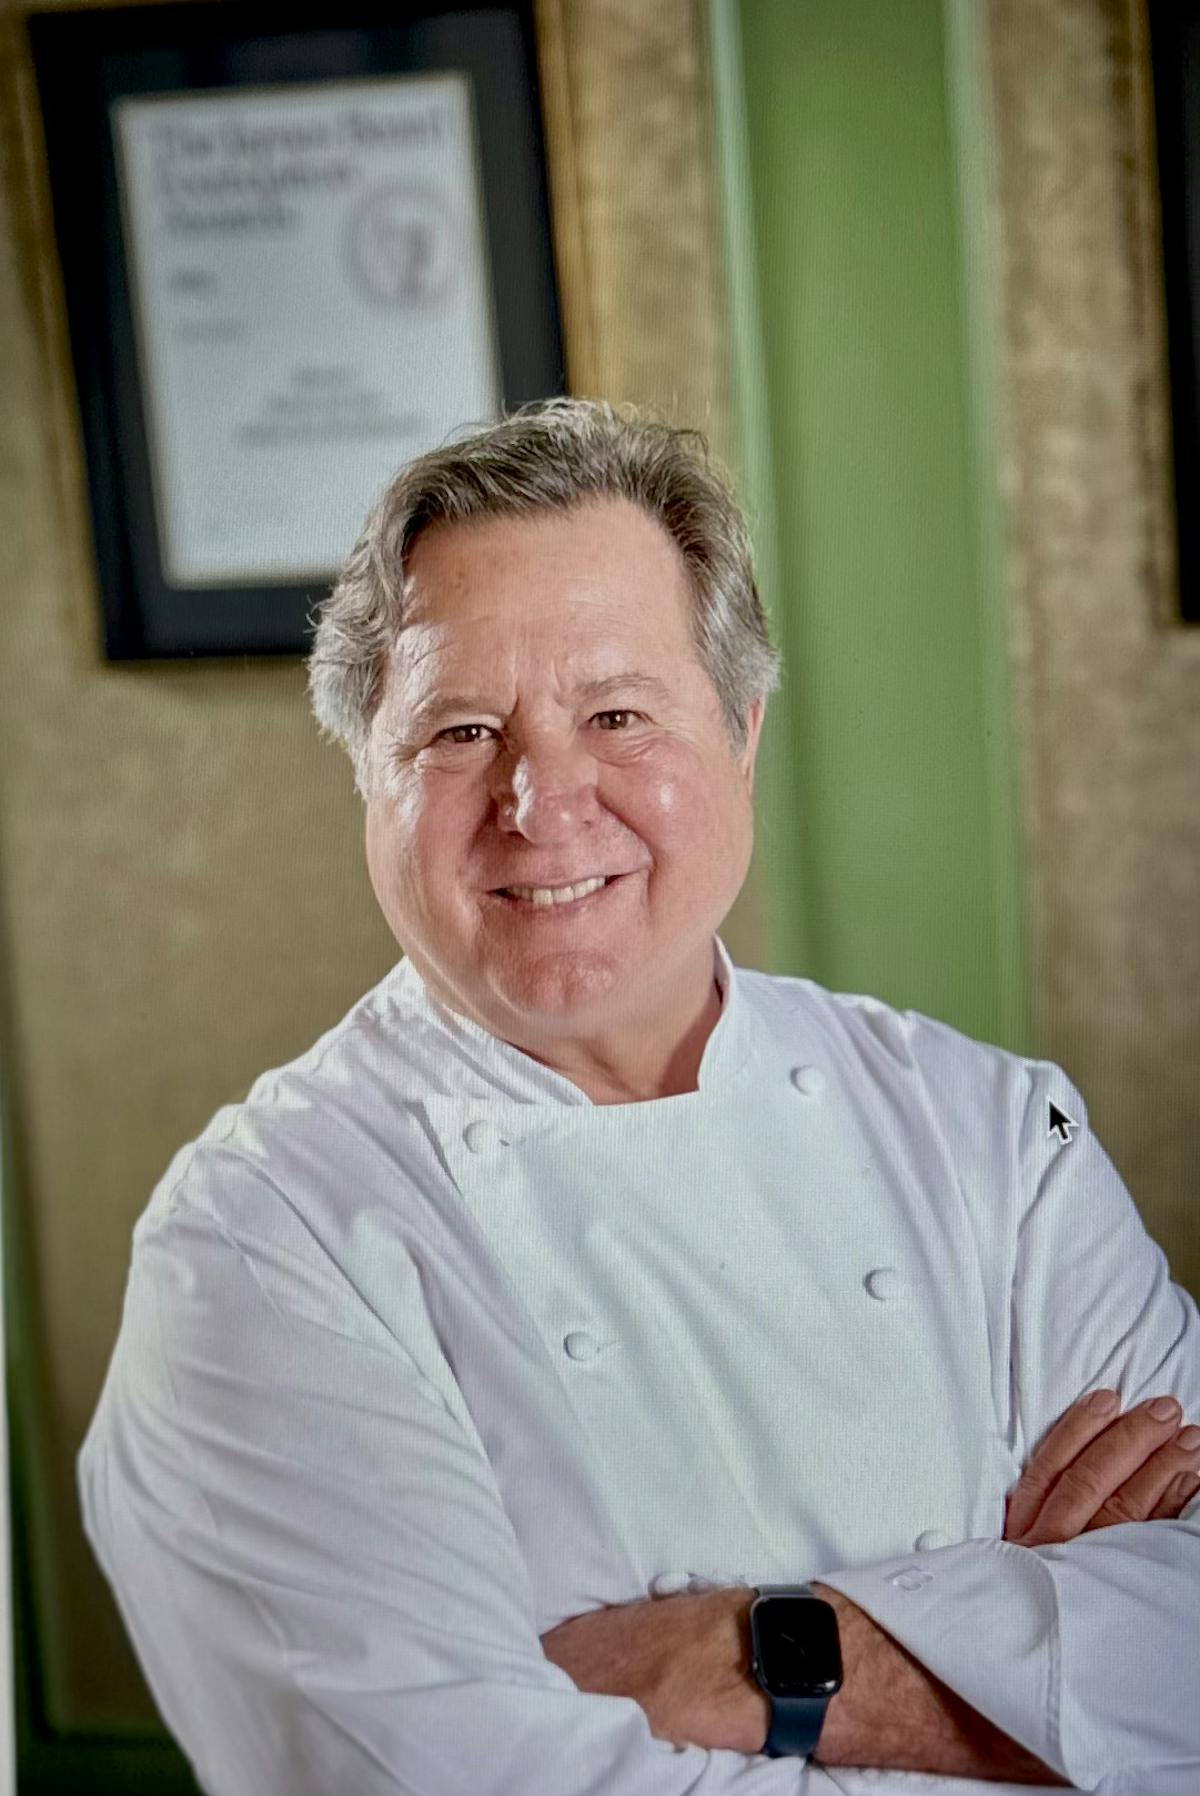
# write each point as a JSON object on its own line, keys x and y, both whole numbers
{"x": 582, "y": 590}
{"x": 609, "y": 548}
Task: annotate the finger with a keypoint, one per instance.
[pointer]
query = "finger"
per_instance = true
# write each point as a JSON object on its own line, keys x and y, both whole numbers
{"x": 1176, "y": 1497}
{"x": 1065, "y": 1441}
{"x": 1101, "y": 1469}
{"x": 1137, "y": 1499}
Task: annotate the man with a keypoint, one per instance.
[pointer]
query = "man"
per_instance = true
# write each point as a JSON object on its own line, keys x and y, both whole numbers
{"x": 477, "y": 1370}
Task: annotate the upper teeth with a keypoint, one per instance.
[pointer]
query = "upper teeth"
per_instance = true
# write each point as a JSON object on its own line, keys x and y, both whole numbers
{"x": 557, "y": 894}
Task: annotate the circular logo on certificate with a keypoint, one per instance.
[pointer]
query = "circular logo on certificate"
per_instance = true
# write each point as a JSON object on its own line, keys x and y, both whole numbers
{"x": 400, "y": 245}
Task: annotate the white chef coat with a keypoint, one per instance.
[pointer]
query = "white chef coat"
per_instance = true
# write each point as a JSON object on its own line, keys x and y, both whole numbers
{"x": 423, "y": 1352}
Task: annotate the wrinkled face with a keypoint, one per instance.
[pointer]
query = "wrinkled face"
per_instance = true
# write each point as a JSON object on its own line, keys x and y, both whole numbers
{"x": 544, "y": 720}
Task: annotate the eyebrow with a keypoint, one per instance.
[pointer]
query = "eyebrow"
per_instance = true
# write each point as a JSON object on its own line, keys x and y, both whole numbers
{"x": 434, "y": 709}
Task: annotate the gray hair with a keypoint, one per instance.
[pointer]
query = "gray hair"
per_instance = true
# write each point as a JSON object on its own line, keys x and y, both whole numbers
{"x": 552, "y": 455}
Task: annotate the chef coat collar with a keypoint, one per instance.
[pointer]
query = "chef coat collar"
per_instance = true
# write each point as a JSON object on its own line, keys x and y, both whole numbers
{"x": 482, "y": 1056}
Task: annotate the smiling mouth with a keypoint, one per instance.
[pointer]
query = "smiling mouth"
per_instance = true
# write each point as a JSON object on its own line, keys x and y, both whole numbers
{"x": 543, "y": 905}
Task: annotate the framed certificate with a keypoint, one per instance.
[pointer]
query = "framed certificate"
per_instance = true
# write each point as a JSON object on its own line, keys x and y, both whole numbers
{"x": 297, "y": 250}
{"x": 1175, "y": 57}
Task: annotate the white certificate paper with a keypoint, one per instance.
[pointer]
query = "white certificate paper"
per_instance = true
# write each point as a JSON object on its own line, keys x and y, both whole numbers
{"x": 312, "y": 291}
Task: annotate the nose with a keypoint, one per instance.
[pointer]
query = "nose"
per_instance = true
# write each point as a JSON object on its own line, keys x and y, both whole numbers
{"x": 549, "y": 792}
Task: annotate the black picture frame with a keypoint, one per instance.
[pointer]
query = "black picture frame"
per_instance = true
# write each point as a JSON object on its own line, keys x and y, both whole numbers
{"x": 84, "y": 61}
{"x": 1174, "y": 27}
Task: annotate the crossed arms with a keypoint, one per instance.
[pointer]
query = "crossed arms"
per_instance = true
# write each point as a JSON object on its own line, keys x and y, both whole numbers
{"x": 685, "y": 1659}
{"x": 327, "y": 1589}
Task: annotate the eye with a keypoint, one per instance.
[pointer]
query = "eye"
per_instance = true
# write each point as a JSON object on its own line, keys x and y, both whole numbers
{"x": 456, "y": 727}
{"x": 453, "y": 731}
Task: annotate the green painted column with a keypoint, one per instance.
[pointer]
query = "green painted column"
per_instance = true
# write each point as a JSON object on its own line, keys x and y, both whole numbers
{"x": 853, "y": 180}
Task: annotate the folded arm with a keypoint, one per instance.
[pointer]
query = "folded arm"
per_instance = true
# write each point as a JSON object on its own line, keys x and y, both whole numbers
{"x": 1065, "y": 1652}
{"x": 1081, "y": 1649}
{"x": 312, "y": 1560}
{"x": 686, "y": 1660}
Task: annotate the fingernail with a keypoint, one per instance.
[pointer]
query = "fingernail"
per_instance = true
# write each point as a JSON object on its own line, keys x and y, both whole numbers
{"x": 1164, "y": 1409}
{"x": 1188, "y": 1441}
{"x": 1100, "y": 1402}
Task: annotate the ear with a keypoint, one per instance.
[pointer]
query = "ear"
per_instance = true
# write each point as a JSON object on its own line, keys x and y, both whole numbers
{"x": 754, "y": 723}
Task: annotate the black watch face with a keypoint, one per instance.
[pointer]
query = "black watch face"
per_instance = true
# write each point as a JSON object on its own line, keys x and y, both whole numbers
{"x": 796, "y": 1646}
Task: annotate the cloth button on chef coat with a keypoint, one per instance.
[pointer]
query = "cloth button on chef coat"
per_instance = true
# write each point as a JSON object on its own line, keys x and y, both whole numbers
{"x": 808, "y": 1080}
{"x": 883, "y": 1282}
{"x": 932, "y": 1537}
{"x": 581, "y": 1345}
{"x": 910, "y": 1578}
{"x": 670, "y": 1583}
{"x": 483, "y": 1137}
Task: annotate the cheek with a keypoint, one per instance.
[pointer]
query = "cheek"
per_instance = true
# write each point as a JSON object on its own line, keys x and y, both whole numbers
{"x": 391, "y": 847}
{"x": 414, "y": 849}
{"x": 379, "y": 855}
{"x": 683, "y": 800}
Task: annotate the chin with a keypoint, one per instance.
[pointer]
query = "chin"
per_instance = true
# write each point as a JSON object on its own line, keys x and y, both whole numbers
{"x": 560, "y": 987}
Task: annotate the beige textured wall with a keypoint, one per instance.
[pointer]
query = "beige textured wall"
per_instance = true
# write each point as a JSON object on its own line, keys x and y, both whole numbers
{"x": 1109, "y": 683}
{"x": 182, "y": 892}
{"x": 181, "y": 888}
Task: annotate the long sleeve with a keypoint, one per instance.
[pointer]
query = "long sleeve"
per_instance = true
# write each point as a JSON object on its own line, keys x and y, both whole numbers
{"x": 312, "y": 1559}
{"x": 1088, "y": 1653}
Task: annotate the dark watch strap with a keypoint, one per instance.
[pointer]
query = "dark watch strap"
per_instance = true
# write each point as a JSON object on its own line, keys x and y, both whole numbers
{"x": 796, "y": 1723}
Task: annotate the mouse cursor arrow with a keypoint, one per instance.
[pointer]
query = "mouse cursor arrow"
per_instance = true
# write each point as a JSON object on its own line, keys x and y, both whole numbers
{"x": 1060, "y": 1123}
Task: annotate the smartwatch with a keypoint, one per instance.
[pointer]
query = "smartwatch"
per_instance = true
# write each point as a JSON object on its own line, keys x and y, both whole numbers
{"x": 797, "y": 1661}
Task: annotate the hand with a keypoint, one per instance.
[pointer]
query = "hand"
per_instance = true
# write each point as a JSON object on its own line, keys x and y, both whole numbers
{"x": 1096, "y": 1468}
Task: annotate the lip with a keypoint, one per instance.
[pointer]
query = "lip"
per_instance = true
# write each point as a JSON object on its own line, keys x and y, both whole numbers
{"x": 495, "y": 891}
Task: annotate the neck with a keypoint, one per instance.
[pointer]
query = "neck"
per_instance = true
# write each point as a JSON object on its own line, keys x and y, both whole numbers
{"x": 627, "y": 1065}
{"x": 680, "y": 1075}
